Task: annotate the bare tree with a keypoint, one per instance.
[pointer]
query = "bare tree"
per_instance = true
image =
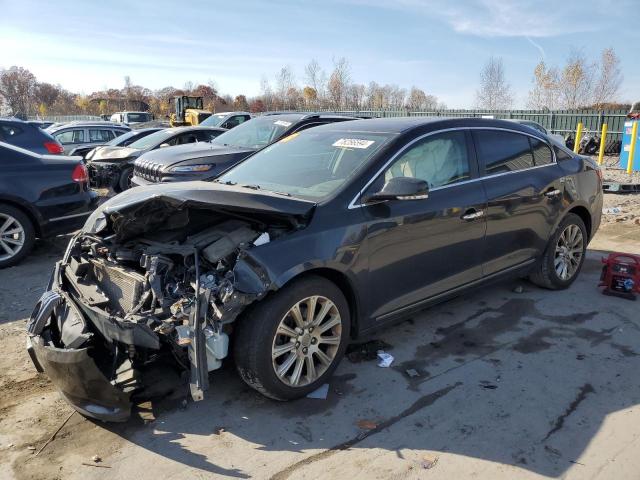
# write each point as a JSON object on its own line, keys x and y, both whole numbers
{"x": 609, "y": 78}
{"x": 494, "y": 92}
{"x": 316, "y": 79}
{"x": 338, "y": 82}
{"x": 418, "y": 100}
{"x": 576, "y": 81}
{"x": 17, "y": 87}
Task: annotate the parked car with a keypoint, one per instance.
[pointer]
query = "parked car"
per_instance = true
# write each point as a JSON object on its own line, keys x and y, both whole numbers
{"x": 131, "y": 118}
{"x": 226, "y": 120}
{"x": 25, "y": 135}
{"x": 113, "y": 166}
{"x": 85, "y": 134}
{"x": 40, "y": 123}
{"x": 313, "y": 241}
{"x": 123, "y": 140}
{"x": 536, "y": 126}
{"x": 200, "y": 162}
{"x": 40, "y": 196}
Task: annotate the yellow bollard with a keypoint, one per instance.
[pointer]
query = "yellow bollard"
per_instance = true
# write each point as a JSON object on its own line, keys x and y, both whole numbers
{"x": 632, "y": 148}
{"x": 576, "y": 145}
{"x": 603, "y": 141}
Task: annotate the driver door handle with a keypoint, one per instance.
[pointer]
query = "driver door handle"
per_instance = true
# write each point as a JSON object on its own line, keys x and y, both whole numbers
{"x": 472, "y": 214}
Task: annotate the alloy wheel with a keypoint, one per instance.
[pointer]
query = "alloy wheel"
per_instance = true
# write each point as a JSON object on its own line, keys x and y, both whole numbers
{"x": 569, "y": 252}
{"x": 12, "y": 236}
{"x": 306, "y": 341}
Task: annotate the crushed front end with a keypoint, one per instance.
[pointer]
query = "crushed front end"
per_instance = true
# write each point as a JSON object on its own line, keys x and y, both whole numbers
{"x": 161, "y": 282}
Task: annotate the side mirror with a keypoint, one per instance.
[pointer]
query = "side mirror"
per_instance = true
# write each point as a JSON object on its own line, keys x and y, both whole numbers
{"x": 401, "y": 188}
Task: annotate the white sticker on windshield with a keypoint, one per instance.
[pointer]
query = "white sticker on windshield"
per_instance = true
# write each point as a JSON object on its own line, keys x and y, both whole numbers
{"x": 353, "y": 143}
{"x": 282, "y": 123}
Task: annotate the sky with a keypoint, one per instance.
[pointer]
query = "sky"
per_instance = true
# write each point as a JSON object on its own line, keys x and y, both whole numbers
{"x": 436, "y": 45}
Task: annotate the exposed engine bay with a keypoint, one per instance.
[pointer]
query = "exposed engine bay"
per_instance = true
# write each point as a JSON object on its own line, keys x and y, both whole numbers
{"x": 154, "y": 282}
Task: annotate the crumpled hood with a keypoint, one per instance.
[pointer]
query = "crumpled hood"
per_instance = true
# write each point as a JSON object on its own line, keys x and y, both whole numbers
{"x": 204, "y": 152}
{"x": 131, "y": 210}
{"x": 108, "y": 153}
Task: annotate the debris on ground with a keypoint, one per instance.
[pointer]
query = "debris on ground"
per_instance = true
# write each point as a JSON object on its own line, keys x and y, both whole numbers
{"x": 96, "y": 459}
{"x": 31, "y": 447}
{"x": 518, "y": 289}
{"x": 95, "y": 465}
{"x": 612, "y": 211}
{"x": 489, "y": 385}
{"x": 366, "y": 424}
{"x": 384, "y": 359}
{"x": 428, "y": 462}
{"x": 320, "y": 393}
{"x": 360, "y": 352}
{"x": 412, "y": 372}
{"x": 219, "y": 430}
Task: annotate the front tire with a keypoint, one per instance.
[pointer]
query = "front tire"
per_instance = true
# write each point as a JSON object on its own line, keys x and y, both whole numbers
{"x": 124, "y": 181}
{"x": 564, "y": 255}
{"x": 17, "y": 235}
{"x": 289, "y": 344}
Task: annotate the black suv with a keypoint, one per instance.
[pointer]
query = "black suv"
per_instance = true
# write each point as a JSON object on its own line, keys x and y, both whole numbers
{"x": 208, "y": 160}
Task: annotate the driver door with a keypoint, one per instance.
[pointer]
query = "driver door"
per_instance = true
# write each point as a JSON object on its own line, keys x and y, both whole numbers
{"x": 419, "y": 249}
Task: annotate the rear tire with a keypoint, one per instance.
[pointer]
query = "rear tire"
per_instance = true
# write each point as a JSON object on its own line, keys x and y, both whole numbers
{"x": 124, "y": 182}
{"x": 17, "y": 235}
{"x": 285, "y": 353}
{"x": 564, "y": 256}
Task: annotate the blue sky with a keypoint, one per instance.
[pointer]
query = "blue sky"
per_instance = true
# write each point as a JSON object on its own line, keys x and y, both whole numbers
{"x": 437, "y": 45}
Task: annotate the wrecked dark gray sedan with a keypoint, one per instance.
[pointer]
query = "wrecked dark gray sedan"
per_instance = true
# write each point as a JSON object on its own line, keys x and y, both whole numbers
{"x": 321, "y": 237}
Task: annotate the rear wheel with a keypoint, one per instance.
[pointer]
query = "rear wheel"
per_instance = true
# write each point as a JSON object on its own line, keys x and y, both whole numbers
{"x": 17, "y": 235}
{"x": 564, "y": 255}
{"x": 124, "y": 182}
{"x": 290, "y": 343}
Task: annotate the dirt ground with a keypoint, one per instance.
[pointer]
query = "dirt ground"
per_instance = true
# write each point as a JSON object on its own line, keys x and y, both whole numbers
{"x": 508, "y": 385}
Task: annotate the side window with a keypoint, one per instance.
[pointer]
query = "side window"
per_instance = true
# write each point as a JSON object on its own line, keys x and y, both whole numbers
{"x": 70, "y": 136}
{"x": 503, "y": 151}
{"x": 207, "y": 136}
{"x": 440, "y": 159}
{"x": 9, "y": 131}
{"x": 117, "y": 133}
{"x": 541, "y": 152}
{"x": 100, "y": 135}
{"x": 561, "y": 154}
{"x": 185, "y": 138}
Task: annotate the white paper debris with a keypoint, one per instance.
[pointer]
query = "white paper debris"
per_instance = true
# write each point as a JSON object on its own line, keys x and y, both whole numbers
{"x": 262, "y": 239}
{"x": 612, "y": 211}
{"x": 384, "y": 359}
{"x": 321, "y": 393}
{"x": 353, "y": 143}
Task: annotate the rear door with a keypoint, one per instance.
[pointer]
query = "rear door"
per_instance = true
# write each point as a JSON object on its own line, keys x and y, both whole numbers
{"x": 524, "y": 188}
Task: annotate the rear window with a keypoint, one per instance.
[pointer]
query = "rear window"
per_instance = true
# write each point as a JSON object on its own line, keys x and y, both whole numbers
{"x": 541, "y": 152}
{"x": 10, "y": 131}
{"x": 70, "y": 136}
{"x": 100, "y": 135}
{"x": 503, "y": 152}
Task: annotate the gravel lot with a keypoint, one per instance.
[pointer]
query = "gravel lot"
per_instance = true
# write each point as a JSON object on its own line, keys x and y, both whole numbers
{"x": 509, "y": 385}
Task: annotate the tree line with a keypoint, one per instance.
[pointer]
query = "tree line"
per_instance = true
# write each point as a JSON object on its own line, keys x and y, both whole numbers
{"x": 579, "y": 83}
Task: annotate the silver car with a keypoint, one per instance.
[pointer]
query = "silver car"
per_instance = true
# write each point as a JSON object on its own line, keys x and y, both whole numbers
{"x": 84, "y": 134}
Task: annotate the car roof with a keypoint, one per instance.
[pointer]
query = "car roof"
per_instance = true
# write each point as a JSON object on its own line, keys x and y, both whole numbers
{"x": 194, "y": 128}
{"x": 82, "y": 123}
{"x": 229, "y": 113}
{"x": 405, "y": 124}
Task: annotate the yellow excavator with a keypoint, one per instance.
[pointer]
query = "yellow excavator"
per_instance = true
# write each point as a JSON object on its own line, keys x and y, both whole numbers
{"x": 188, "y": 111}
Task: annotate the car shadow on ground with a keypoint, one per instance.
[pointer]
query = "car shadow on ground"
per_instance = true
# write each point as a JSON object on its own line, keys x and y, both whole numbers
{"x": 523, "y": 379}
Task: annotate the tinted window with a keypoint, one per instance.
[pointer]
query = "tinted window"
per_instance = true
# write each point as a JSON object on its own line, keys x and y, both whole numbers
{"x": 561, "y": 154}
{"x": 70, "y": 136}
{"x": 10, "y": 131}
{"x": 207, "y": 136}
{"x": 439, "y": 159}
{"x": 541, "y": 152}
{"x": 503, "y": 151}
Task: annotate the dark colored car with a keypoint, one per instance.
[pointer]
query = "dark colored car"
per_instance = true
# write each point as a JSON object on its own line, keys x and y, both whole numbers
{"x": 123, "y": 140}
{"x": 28, "y": 136}
{"x": 315, "y": 240}
{"x": 201, "y": 162}
{"x": 40, "y": 196}
{"x": 73, "y": 135}
{"x": 226, "y": 120}
{"x": 113, "y": 166}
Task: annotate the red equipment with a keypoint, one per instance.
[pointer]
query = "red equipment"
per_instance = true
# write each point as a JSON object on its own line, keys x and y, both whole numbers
{"x": 621, "y": 275}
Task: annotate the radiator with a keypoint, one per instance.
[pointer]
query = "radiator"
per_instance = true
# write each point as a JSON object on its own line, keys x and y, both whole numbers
{"x": 123, "y": 287}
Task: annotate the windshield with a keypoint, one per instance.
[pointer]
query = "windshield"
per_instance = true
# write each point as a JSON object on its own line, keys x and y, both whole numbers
{"x": 214, "y": 120}
{"x": 137, "y": 117}
{"x": 153, "y": 140}
{"x": 312, "y": 164}
{"x": 116, "y": 142}
{"x": 255, "y": 133}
